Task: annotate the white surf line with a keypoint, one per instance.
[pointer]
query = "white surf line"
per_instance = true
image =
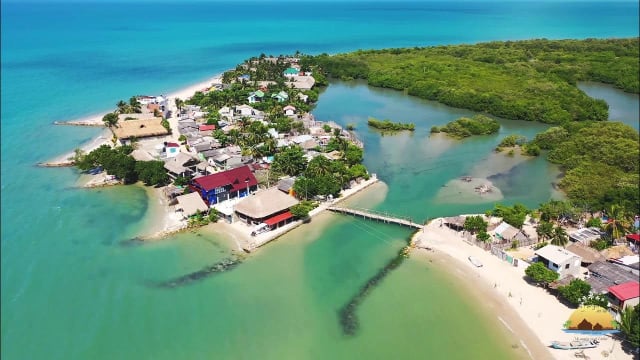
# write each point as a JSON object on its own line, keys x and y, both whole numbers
{"x": 521, "y": 342}
{"x": 506, "y": 325}
{"x": 526, "y": 348}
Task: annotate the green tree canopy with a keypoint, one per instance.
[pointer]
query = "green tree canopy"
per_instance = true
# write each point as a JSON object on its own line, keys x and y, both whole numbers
{"x": 630, "y": 324}
{"x": 475, "y": 224}
{"x": 575, "y": 292}
{"x": 539, "y": 273}
{"x": 290, "y": 161}
{"x": 110, "y": 119}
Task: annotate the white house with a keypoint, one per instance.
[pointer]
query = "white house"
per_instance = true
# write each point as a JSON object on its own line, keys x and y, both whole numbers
{"x": 560, "y": 260}
{"x": 245, "y": 110}
{"x": 226, "y": 112}
{"x": 172, "y": 149}
{"x": 289, "y": 110}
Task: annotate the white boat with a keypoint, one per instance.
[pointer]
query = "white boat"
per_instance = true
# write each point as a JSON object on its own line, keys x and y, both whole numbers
{"x": 475, "y": 261}
{"x": 576, "y": 344}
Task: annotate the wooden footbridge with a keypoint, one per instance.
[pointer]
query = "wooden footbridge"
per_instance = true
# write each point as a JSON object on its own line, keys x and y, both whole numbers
{"x": 378, "y": 216}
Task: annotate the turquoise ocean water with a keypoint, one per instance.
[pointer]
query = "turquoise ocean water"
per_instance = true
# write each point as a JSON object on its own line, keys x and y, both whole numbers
{"x": 71, "y": 290}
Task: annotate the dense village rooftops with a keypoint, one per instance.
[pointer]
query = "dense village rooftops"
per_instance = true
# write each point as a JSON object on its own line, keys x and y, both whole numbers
{"x": 605, "y": 274}
{"x": 140, "y": 128}
{"x": 626, "y": 291}
{"x": 555, "y": 254}
{"x": 265, "y": 203}
{"x": 176, "y": 164}
{"x": 238, "y": 178}
{"x": 191, "y": 203}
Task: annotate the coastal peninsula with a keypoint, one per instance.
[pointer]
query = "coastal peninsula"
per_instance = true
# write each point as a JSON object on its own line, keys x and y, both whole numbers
{"x": 229, "y": 164}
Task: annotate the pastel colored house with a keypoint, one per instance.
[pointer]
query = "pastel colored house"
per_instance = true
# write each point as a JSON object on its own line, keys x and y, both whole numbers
{"x": 255, "y": 96}
{"x": 230, "y": 184}
{"x": 560, "y": 260}
{"x": 281, "y": 96}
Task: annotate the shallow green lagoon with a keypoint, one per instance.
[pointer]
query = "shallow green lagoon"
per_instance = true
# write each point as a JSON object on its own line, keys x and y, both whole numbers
{"x": 78, "y": 295}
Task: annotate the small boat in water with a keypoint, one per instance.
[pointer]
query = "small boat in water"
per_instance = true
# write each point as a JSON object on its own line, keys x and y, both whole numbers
{"x": 475, "y": 261}
{"x": 575, "y": 344}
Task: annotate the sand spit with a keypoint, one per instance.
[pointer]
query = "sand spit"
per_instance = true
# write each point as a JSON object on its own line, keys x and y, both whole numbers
{"x": 527, "y": 308}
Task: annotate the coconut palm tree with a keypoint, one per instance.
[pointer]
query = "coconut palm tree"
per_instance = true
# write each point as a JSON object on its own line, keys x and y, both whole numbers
{"x": 110, "y": 119}
{"x": 122, "y": 107}
{"x": 559, "y": 237}
{"x": 134, "y": 105}
{"x": 617, "y": 225}
{"x": 544, "y": 231}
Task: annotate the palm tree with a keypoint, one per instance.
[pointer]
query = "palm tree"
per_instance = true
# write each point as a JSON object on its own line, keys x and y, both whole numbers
{"x": 122, "y": 107}
{"x": 559, "y": 237}
{"x": 544, "y": 230}
{"x": 110, "y": 119}
{"x": 179, "y": 103}
{"x": 616, "y": 226}
{"x": 134, "y": 105}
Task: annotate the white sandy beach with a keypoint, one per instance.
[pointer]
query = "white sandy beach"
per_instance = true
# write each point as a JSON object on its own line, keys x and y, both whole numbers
{"x": 540, "y": 311}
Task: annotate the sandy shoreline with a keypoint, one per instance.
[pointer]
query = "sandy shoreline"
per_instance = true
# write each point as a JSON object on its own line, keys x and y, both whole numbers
{"x": 527, "y": 311}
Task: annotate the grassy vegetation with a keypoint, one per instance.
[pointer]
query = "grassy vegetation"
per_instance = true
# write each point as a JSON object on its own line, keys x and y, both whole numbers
{"x": 465, "y": 127}
{"x": 389, "y": 125}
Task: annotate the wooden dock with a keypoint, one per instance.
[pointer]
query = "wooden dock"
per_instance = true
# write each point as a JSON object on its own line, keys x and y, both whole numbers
{"x": 378, "y": 216}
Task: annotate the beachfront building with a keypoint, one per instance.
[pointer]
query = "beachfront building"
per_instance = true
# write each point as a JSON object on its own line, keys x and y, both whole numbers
{"x": 190, "y": 204}
{"x": 125, "y": 130}
{"x": 270, "y": 207}
{"x": 560, "y": 260}
{"x": 622, "y": 296}
{"x": 225, "y": 185}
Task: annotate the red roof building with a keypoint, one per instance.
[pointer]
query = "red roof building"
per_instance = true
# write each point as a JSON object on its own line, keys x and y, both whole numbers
{"x": 626, "y": 291}
{"x": 634, "y": 237}
{"x": 170, "y": 144}
{"x": 214, "y": 188}
{"x": 624, "y": 295}
{"x": 205, "y": 127}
